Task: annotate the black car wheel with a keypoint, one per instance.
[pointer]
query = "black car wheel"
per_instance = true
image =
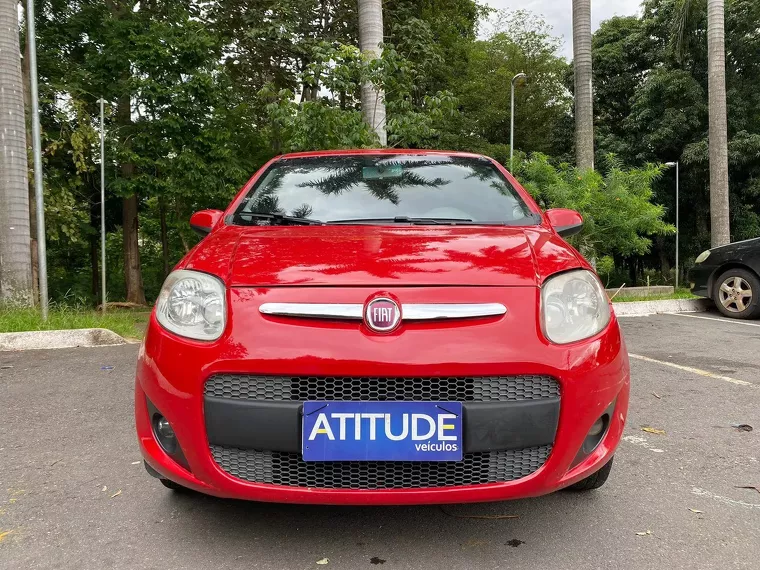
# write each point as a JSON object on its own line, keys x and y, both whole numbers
{"x": 169, "y": 484}
{"x": 737, "y": 294}
{"x": 593, "y": 481}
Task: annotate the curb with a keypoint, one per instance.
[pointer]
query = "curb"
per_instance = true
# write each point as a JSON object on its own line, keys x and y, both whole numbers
{"x": 43, "y": 340}
{"x": 642, "y": 308}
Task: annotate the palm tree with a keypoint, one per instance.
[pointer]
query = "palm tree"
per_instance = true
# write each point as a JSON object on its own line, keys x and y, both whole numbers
{"x": 584, "y": 102}
{"x": 718, "y": 137}
{"x": 15, "y": 248}
{"x": 370, "y": 38}
{"x": 683, "y": 27}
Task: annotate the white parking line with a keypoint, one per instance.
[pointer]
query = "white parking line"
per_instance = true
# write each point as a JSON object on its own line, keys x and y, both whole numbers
{"x": 729, "y": 321}
{"x": 727, "y": 500}
{"x": 695, "y": 371}
{"x": 642, "y": 441}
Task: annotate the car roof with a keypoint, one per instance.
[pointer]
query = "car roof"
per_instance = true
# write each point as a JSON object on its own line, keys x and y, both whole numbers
{"x": 377, "y": 151}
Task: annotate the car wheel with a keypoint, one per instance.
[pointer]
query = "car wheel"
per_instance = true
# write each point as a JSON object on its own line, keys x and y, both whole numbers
{"x": 593, "y": 481}
{"x": 737, "y": 294}
{"x": 169, "y": 484}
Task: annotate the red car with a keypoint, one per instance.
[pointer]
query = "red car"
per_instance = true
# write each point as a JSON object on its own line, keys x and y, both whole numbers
{"x": 382, "y": 327}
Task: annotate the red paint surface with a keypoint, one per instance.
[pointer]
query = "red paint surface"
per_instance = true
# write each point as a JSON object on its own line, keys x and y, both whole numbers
{"x": 351, "y": 264}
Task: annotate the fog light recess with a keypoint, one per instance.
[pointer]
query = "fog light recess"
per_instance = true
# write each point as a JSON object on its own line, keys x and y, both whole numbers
{"x": 595, "y": 435}
{"x": 164, "y": 434}
{"x": 598, "y": 427}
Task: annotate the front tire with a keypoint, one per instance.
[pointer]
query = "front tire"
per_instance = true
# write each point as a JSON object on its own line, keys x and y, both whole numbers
{"x": 169, "y": 484}
{"x": 737, "y": 294}
{"x": 593, "y": 481}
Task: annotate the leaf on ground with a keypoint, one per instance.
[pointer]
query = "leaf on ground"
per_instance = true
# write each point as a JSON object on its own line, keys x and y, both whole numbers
{"x": 742, "y": 427}
{"x": 4, "y": 534}
{"x": 116, "y": 494}
{"x": 653, "y": 430}
{"x": 323, "y": 561}
{"x": 644, "y": 533}
{"x": 696, "y": 511}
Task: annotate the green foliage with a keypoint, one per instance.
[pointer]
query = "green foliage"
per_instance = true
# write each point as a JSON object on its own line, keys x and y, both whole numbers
{"x": 520, "y": 43}
{"x": 650, "y": 77}
{"x": 619, "y": 217}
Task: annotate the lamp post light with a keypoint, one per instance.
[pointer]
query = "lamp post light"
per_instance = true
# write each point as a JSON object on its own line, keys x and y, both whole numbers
{"x": 515, "y": 79}
{"x": 678, "y": 231}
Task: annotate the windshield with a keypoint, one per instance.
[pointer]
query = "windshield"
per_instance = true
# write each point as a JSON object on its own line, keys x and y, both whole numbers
{"x": 384, "y": 188}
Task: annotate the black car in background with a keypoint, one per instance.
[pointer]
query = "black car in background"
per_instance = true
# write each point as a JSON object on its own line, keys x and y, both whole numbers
{"x": 730, "y": 276}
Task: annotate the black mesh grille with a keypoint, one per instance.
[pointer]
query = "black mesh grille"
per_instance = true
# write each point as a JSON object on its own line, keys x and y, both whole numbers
{"x": 280, "y": 468}
{"x": 302, "y": 388}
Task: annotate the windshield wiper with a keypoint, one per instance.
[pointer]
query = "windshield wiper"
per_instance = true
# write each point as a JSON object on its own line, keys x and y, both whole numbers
{"x": 277, "y": 219}
{"x": 405, "y": 220}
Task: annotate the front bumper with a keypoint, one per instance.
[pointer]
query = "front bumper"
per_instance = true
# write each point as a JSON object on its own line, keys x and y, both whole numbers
{"x": 701, "y": 279}
{"x": 171, "y": 374}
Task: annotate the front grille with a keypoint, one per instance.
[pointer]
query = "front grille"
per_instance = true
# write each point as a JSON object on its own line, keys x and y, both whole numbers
{"x": 444, "y": 388}
{"x": 289, "y": 469}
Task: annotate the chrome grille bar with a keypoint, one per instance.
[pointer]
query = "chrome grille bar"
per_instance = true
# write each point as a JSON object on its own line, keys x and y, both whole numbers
{"x": 409, "y": 311}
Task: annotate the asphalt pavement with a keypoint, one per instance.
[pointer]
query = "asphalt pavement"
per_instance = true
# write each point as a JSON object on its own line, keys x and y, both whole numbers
{"x": 74, "y": 494}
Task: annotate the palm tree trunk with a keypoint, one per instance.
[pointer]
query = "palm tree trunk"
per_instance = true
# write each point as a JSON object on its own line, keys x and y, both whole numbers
{"x": 15, "y": 258}
{"x": 584, "y": 102}
{"x": 370, "y": 38}
{"x": 716, "y": 73}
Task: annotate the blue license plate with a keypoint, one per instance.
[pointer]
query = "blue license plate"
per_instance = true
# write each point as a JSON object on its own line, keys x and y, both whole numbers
{"x": 382, "y": 431}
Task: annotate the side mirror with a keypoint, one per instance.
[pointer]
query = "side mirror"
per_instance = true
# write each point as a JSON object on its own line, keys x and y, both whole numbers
{"x": 204, "y": 221}
{"x": 565, "y": 222}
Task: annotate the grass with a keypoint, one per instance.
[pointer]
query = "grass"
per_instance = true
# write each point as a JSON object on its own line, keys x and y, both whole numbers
{"x": 680, "y": 294}
{"x": 127, "y": 323}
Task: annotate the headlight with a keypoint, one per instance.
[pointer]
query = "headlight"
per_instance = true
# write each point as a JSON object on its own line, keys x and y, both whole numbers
{"x": 702, "y": 257}
{"x": 192, "y": 304}
{"x": 574, "y": 306}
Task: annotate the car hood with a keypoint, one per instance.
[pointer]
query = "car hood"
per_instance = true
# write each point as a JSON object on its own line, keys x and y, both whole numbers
{"x": 367, "y": 255}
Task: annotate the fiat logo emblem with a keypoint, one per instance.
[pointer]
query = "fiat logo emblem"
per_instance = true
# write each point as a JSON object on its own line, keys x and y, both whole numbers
{"x": 382, "y": 314}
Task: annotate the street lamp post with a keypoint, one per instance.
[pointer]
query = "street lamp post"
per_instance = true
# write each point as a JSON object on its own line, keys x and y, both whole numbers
{"x": 512, "y": 121}
{"x": 37, "y": 152}
{"x": 103, "y": 296}
{"x": 678, "y": 231}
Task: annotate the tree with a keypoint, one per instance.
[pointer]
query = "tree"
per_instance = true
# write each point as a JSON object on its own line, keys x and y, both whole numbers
{"x": 716, "y": 74}
{"x": 623, "y": 54}
{"x": 584, "y": 102}
{"x": 652, "y": 88}
{"x": 618, "y": 214}
{"x": 15, "y": 245}
{"x": 520, "y": 41}
{"x": 370, "y": 40}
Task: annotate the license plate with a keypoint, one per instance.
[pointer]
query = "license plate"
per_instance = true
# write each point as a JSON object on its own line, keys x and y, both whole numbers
{"x": 382, "y": 431}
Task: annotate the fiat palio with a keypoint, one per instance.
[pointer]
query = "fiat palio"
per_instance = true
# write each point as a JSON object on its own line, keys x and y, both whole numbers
{"x": 382, "y": 327}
